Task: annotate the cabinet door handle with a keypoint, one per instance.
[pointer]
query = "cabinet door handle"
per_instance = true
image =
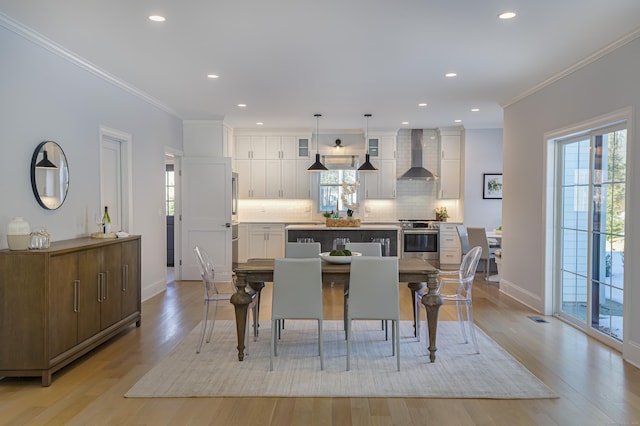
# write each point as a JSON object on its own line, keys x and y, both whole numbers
{"x": 125, "y": 277}
{"x": 76, "y": 295}
{"x": 100, "y": 287}
{"x": 105, "y": 287}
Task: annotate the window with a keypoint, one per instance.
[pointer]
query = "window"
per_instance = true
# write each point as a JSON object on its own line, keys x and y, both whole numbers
{"x": 590, "y": 229}
{"x": 170, "y": 190}
{"x": 331, "y": 190}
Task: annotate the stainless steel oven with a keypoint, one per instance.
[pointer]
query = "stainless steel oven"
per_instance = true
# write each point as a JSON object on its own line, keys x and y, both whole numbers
{"x": 419, "y": 239}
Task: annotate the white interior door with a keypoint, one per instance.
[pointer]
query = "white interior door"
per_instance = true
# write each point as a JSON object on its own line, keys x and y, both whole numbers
{"x": 111, "y": 181}
{"x": 206, "y": 215}
{"x": 115, "y": 177}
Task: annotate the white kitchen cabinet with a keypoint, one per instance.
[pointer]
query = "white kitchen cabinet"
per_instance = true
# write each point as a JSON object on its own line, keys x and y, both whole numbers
{"x": 380, "y": 184}
{"x": 450, "y": 143}
{"x": 251, "y": 178}
{"x": 382, "y": 152}
{"x": 250, "y": 147}
{"x": 243, "y": 242}
{"x": 266, "y": 240}
{"x": 280, "y": 178}
{"x": 450, "y": 250}
{"x": 270, "y": 166}
{"x": 302, "y": 179}
{"x": 281, "y": 147}
{"x": 382, "y": 147}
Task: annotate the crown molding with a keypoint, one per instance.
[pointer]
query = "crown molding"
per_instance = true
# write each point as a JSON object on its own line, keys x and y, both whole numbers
{"x": 55, "y": 48}
{"x": 628, "y": 38}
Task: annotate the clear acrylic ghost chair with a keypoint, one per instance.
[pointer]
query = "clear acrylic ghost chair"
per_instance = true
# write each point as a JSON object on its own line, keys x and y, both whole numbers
{"x": 297, "y": 294}
{"x": 374, "y": 295}
{"x": 213, "y": 294}
{"x": 455, "y": 287}
{"x": 478, "y": 237}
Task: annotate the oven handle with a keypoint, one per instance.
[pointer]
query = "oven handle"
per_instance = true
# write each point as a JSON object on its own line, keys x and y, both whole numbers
{"x": 419, "y": 231}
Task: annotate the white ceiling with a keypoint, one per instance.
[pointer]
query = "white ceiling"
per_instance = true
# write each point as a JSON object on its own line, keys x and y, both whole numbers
{"x": 289, "y": 59}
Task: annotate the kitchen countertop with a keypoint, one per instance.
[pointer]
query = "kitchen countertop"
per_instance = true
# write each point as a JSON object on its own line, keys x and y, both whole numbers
{"x": 363, "y": 226}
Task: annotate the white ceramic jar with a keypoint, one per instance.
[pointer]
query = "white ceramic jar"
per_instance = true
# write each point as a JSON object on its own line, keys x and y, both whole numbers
{"x": 18, "y": 234}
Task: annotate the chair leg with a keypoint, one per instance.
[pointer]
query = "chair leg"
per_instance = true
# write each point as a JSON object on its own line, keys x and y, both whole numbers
{"x": 320, "y": 348}
{"x": 472, "y": 327}
{"x": 213, "y": 320}
{"x": 273, "y": 343}
{"x": 203, "y": 328}
{"x": 348, "y": 332}
{"x": 461, "y": 321}
{"x": 416, "y": 314}
{"x": 255, "y": 322}
{"x": 397, "y": 333}
{"x": 393, "y": 337}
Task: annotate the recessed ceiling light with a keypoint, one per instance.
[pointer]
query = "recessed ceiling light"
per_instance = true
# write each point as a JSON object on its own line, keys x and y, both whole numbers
{"x": 259, "y": 123}
{"x": 405, "y": 123}
{"x": 475, "y": 109}
{"x": 242, "y": 105}
{"x": 450, "y": 74}
{"x": 507, "y": 15}
{"x": 457, "y": 121}
{"x": 157, "y": 18}
{"x": 213, "y": 76}
{"x": 422, "y": 104}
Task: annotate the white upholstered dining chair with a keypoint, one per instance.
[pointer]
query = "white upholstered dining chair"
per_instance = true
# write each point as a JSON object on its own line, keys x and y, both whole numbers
{"x": 374, "y": 295}
{"x": 478, "y": 237}
{"x": 297, "y": 294}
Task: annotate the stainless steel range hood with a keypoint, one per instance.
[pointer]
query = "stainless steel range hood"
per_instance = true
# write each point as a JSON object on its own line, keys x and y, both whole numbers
{"x": 417, "y": 172}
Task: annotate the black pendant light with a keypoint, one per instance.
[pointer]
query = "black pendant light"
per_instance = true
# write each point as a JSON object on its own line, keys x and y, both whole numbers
{"x": 317, "y": 166}
{"x": 45, "y": 163}
{"x": 367, "y": 166}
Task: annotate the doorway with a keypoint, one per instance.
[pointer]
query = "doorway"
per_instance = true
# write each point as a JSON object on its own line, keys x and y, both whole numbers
{"x": 590, "y": 188}
{"x": 115, "y": 178}
{"x": 172, "y": 212}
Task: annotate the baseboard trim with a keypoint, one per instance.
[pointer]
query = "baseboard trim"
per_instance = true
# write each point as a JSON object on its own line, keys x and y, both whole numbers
{"x": 523, "y": 296}
{"x": 151, "y": 290}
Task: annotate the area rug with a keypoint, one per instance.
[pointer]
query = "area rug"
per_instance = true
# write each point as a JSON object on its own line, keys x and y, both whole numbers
{"x": 457, "y": 373}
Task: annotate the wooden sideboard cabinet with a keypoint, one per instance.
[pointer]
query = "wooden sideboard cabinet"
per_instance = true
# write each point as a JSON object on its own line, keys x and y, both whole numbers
{"x": 60, "y": 303}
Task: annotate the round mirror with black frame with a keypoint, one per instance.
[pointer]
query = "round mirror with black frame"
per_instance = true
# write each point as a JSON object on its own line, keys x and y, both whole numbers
{"x": 49, "y": 175}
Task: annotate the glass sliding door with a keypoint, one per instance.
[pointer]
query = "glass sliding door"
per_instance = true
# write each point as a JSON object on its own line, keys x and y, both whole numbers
{"x": 590, "y": 225}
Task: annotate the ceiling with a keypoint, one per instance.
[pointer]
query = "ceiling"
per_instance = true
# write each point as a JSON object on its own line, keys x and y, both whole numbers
{"x": 289, "y": 59}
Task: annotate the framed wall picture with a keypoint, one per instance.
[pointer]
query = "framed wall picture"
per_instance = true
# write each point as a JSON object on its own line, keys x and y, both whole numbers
{"x": 492, "y": 186}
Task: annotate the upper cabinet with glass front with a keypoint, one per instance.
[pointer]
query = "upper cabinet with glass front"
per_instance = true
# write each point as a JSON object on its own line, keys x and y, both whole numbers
{"x": 381, "y": 184}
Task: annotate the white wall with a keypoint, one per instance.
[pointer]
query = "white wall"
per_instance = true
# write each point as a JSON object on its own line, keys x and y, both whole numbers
{"x": 482, "y": 154}
{"x": 609, "y": 84}
{"x": 46, "y": 97}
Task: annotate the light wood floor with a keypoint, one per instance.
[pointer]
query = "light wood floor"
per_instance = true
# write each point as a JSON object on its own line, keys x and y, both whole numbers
{"x": 594, "y": 385}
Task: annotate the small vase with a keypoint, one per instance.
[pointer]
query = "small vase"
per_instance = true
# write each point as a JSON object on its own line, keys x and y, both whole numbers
{"x": 18, "y": 234}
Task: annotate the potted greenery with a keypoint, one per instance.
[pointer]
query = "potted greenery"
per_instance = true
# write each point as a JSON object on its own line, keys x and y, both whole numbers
{"x": 442, "y": 214}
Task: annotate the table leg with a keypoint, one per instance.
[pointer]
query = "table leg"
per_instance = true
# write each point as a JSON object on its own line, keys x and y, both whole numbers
{"x": 432, "y": 301}
{"x": 241, "y": 300}
{"x": 413, "y": 287}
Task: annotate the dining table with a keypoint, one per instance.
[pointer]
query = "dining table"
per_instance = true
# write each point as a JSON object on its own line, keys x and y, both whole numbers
{"x": 417, "y": 273}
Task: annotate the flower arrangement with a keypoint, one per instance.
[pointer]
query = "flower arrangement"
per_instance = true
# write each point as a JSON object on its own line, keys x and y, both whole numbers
{"x": 441, "y": 213}
{"x": 349, "y": 189}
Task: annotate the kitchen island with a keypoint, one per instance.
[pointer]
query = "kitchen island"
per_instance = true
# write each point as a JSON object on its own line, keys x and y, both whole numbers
{"x": 363, "y": 233}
